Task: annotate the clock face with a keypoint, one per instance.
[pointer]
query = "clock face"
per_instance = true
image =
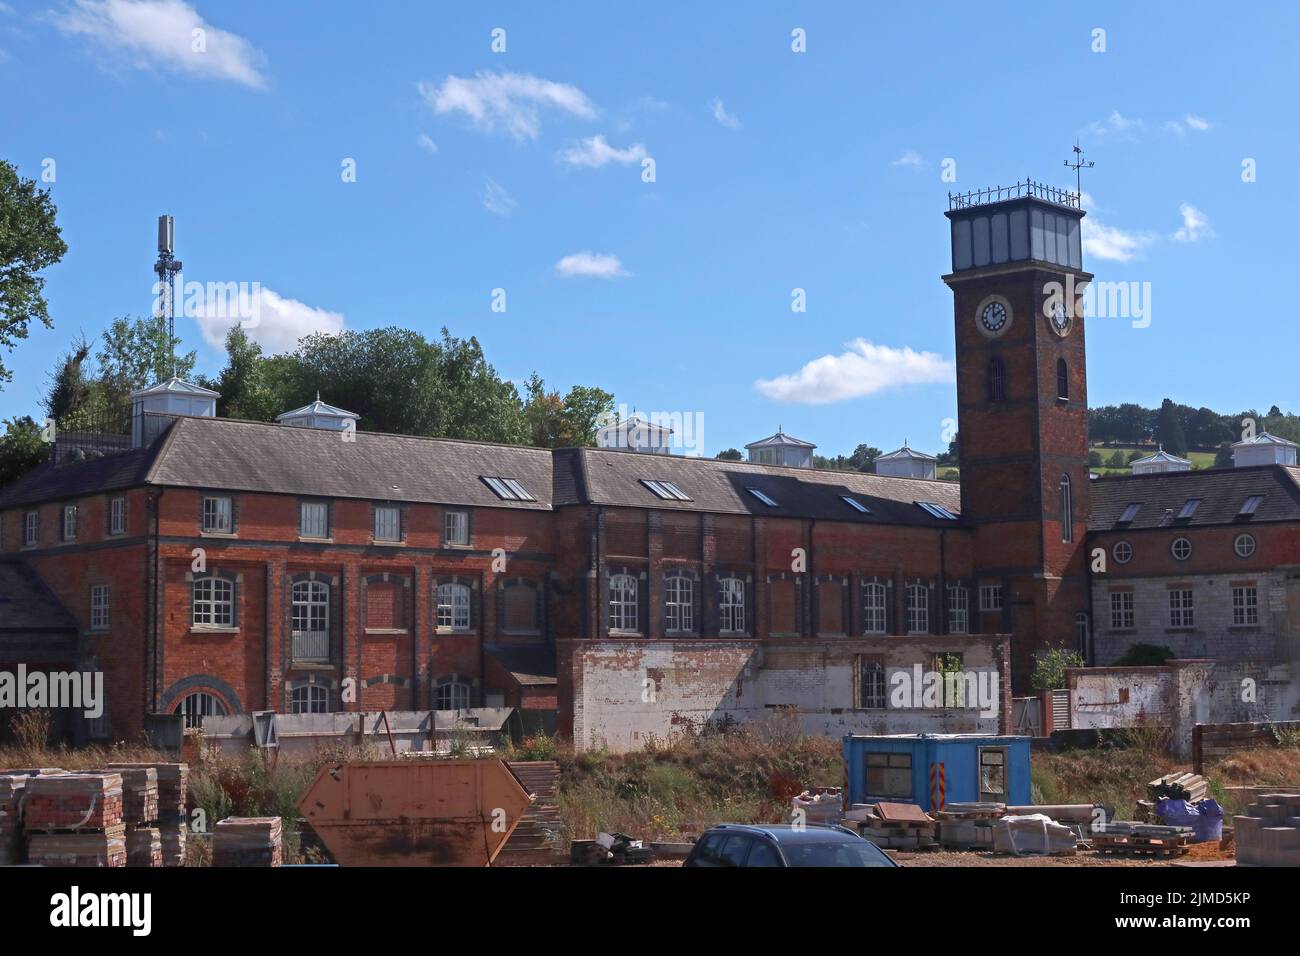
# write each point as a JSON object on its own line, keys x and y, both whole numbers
{"x": 1060, "y": 319}
{"x": 993, "y": 317}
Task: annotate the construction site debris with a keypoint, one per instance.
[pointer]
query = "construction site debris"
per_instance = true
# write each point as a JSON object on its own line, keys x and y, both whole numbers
{"x": 617, "y": 849}
{"x": 1180, "y": 785}
{"x": 1143, "y": 839}
{"x": 819, "y": 805}
{"x": 1268, "y": 834}
{"x": 247, "y": 841}
{"x": 1204, "y": 818}
{"x": 1033, "y": 834}
{"x": 899, "y": 826}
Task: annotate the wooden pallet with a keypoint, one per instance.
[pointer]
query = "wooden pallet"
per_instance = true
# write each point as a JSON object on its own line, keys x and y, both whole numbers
{"x": 1141, "y": 846}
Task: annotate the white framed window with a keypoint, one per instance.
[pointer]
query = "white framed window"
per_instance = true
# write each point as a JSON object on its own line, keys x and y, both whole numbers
{"x": 69, "y": 523}
{"x": 32, "y": 529}
{"x": 990, "y": 597}
{"x": 218, "y": 515}
{"x": 198, "y": 705}
{"x": 213, "y": 602}
{"x": 310, "y": 619}
{"x": 871, "y": 685}
{"x": 918, "y": 609}
{"x": 622, "y": 602}
{"x": 731, "y": 606}
{"x": 679, "y": 603}
{"x": 873, "y": 608}
{"x": 314, "y": 519}
{"x": 1180, "y": 607}
{"x": 1121, "y": 610}
{"x": 1181, "y": 549}
{"x": 1081, "y": 633}
{"x": 1251, "y": 505}
{"x": 1245, "y": 605}
{"x": 958, "y": 609}
{"x": 451, "y": 695}
{"x": 1122, "y": 552}
{"x": 454, "y": 606}
{"x": 766, "y": 499}
{"x": 309, "y": 699}
{"x": 1244, "y": 545}
{"x": 455, "y": 529}
{"x": 388, "y": 523}
{"x": 99, "y": 603}
{"x": 117, "y": 515}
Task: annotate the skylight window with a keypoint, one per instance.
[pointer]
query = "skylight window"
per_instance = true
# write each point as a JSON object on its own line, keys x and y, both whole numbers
{"x": 1189, "y": 507}
{"x": 1251, "y": 505}
{"x": 666, "y": 490}
{"x": 508, "y": 489}
{"x": 855, "y": 504}
{"x": 762, "y": 497}
{"x": 1130, "y": 512}
{"x": 936, "y": 510}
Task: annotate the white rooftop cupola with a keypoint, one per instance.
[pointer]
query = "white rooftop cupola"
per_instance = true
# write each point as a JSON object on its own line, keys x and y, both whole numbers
{"x": 782, "y": 449}
{"x": 1161, "y": 461}
{"x": 153, "y": 407}
{"x": 318, "y": 414}
{"x": 634, "y": 433}
{"x": 1264, "y": 449}
{"x": 907, "y": 462}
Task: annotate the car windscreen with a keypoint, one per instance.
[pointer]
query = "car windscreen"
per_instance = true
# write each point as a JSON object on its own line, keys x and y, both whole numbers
{"x": 848, "y": 853}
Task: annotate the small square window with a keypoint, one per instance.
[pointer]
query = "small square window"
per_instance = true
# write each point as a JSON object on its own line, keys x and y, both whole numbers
{"x": 855, "y": 504}
{"x": 762, "y": 497}
{"x": 314, "y": 520}
{"x": 99, "y": 603}
{"x": 1189, "y": 508}
{"x": 388, "y": 523}
{"x": 1130, "y": 512}
{"x": 218, "y": 515}
{"x": 1251, "y": 505}
{"x": 455, "y": 529}
{"x": 990, "y": 597}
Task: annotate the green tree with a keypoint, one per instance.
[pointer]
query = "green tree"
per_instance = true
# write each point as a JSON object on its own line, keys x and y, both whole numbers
{"x": 69, "y": 384}
{"x": 731, "y": 454}
{"x": 246, "y": 384}
{"x": 1049, "y": 667}
{"x": 137, "y": 353}
{"x": 30, "y": 241}
{"x": 864, "y": 457}
{"x": 21, "y": 448}
{"x": 1169, "y": 428}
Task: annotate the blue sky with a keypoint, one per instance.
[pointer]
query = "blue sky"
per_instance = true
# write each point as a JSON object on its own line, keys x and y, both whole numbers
{"x": 774, "y": 170}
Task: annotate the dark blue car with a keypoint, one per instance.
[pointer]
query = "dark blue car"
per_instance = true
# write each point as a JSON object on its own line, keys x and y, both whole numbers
{"x": 761, "y": 845}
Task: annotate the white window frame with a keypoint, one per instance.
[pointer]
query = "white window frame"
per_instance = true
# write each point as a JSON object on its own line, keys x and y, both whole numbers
{"x": 958, "y": 609}
{"x": 731, "y": 605}
{"x": 308, "y": 513}
{"x": 212, "y": 602}
{"x": 873, "y": 688}
{"x": 197, "y": 705}
{"x": 314, "y": 699}
{"x": 457, "y": 694}
{"x": 918, "y": 612}
{"x": 623, "y": 603}
{"x": 1122, "y": 552}
{"x": 31, "y": 529}
{"x": 101, "y": 596}
{"x": 117, "y": 515}
{"x": 388, "y": 524}
{"x": 310, "y": 608}
{"x": 990, "y": 597}
{"x": 1123, "y": 617}
{"x": 1067, "y": 509}
{"x": 218, "y": 514}
{"x": 454, "y": 606}
{"x": 1245, "y": 605}
{"x": 69, "y": 523}
{"x": 679, "y": 603}
{"x": 1243, "y": 546}
{"x": 1182, "y": 611}
{"x": 1186, "y": 549}
{"x": 875, "y": 613}
{"x": 455, "y": 529}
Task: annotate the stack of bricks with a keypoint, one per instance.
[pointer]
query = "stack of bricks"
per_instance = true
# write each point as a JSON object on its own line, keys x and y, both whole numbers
{"x": 75, "y": 819}
{"x": 969, "y": 826}
{"x": 1268, "y": 834}
{"x": 247, "y": 841}
{"x": 11, "y": 836}
{"x": 172, "y": 822}
{"x": 144, "y": 847}
{"x": 140, "y": 813}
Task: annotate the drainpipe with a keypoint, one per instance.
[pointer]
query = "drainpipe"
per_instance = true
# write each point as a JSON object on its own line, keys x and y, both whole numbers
{"x": 152, "y": 601}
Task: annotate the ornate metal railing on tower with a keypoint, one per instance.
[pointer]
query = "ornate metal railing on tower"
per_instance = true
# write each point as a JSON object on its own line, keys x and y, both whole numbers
{"x": 90, "y": 433}
{"x": 1018, "y": 190}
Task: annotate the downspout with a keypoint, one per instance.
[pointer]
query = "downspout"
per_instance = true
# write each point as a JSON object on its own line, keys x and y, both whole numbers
{"x": 152, "y": 602}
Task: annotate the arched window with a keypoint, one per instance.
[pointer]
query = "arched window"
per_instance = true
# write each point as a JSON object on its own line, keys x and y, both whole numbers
{"x": 679, "y": 603}
{"x": 213, "y": 603}
{"x": 731, "y": 605}
{"x": 1067, "y": 510}
{"x": 1062, "y": 379}
{"x": 918, "y": 609}
{"x": 311, "y": 615}
{"x": 622, "y": 602}
{"x": 198, "y": 705}
{"x": 451, "y": 695}
{"x": 453, "y": 606}
{"x": 309, "y": 699}
{"x": 997, "y": 379}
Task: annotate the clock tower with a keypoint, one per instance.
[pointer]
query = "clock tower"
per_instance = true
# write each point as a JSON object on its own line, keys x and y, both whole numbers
{"x": 1017, "y": 281}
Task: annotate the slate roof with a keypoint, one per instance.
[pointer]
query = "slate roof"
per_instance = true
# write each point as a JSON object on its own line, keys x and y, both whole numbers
{"x": 35, "y": 627}
{"x": 611, "y": 477}
{"x": 72, "y": 480}
{"x": 780, "y": 439}
{"x": 1222, "y": 492}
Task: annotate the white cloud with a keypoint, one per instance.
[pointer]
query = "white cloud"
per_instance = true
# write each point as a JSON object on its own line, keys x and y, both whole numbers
{"x": 595, "y": 152}
{"x": 590, "y": 265}
{"x": 722, "y": 116}
{"x": 1117, "y": 122}
{"x": 496, "y": 199}
{"x": 426, "y": 143}
{"x": 1101, "y": 241}
{"x": 910, "y": 158}
{"x": 510, "y": 101}
{"x": 1195, "y": 225}
{"x": 153, "y": 34}
{"x": 864, "y": 369}
{"x": 272, "y": 321}
{"x": 1196, "y": 122}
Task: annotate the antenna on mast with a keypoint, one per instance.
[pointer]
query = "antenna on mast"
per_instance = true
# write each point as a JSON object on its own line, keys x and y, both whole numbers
{"x": 166, "y": 268}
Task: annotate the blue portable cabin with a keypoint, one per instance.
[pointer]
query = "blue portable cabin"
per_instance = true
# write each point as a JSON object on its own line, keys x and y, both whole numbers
{"x": 974, "y": 768}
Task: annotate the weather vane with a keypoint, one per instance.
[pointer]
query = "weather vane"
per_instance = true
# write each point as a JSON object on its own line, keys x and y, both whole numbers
{"x": 1077, "y": 165}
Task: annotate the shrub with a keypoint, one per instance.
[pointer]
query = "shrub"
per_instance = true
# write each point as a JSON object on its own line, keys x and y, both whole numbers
{"x": 1049, "y": 667}
{"x": 1145, "y": 655}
